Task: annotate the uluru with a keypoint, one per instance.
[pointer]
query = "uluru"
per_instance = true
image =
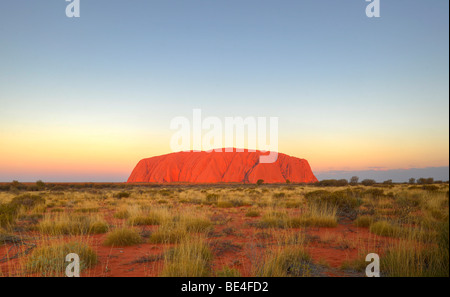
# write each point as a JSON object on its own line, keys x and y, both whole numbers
{"x": 221, "y": 167}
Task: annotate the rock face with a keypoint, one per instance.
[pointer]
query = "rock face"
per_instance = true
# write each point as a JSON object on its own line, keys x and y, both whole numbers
{"x": 221, "y": 167}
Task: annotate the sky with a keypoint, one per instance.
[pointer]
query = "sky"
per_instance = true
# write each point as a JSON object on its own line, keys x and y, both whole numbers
{"x": 84, "y": 99}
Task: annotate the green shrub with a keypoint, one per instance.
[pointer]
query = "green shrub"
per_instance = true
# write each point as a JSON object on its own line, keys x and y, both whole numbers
{"x": 15, "y": 185}
{"x": 374, "y": 192}
{"x": 425, "y": 181}
{"x": 40, "y": 185}
{"x": 405, "y": 200}
{"x": 8, "y": 214}
{"x": 333, "y": 183}
{"x": 121, "y": 195}
{"x": 430, "y": 188}
{"x": 343, "y": 200}
{"x": 368, "y": 182}
{"x": 28, "y": 201}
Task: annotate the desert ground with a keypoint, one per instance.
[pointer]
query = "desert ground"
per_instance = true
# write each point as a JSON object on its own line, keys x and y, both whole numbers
{"x": 126, "y": 230}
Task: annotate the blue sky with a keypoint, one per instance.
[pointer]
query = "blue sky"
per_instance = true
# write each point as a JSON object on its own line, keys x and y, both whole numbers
{"x": 341, "y": 83}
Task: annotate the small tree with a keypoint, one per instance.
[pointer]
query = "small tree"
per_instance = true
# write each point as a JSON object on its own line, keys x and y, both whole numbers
{"x": 260, "y": 182}
{"x": 288, "y": 181}
{"x": 368, "y": 182}
{"x": 425, "y": 181}
{"x": 354, "y": 180}
{"x": 16, "y": 185}
{"x": 40, "y": 185}
{"x": 388, "y": 182}
{"x": 412, "y": 181}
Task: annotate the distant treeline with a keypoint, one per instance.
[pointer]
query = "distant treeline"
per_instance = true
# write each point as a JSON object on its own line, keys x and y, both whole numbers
{"x": 370, "y": 182}
{"x": 41, "y": 186}
{"x": 16, "y": 186}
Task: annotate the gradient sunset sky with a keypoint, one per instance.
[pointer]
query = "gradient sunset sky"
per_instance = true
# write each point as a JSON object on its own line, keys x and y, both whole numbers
{"x": 85, "y": 99}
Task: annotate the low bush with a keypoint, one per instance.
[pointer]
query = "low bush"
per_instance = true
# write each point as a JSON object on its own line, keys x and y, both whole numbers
{"x": 28, "y": 201}
{"x": 8, "y": 214}
{"x": 121, "y": 195}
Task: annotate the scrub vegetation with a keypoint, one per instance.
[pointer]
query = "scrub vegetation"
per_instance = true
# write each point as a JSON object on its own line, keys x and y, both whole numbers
{"x": 323, "y": 229}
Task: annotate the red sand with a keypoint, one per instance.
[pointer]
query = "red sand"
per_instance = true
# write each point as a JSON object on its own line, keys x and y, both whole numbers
{"x": 217, "y": 167}
{"x": 325, "y": 245}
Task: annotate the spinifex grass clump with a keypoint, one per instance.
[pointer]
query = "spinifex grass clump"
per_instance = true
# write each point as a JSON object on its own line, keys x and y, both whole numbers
{"x": 228, "y": 272}
{"x": 123, "y": 237}
{"x": 8, "y": 214}
{"x": 144, "y": 220}
{"x": 283, "y": 262}
{"x": 191, "y": 258}
{"x": 156, "y": 216}
{"x": 407, "y": 258}
{"x": 274, "y": 219}
{"x": 364, "y": 221}
{"x": 179, "y": 228}
{"x": 318, "y": 215}
{"x": 169, "y": 233}
{"x": 65, "y": 224}
{"x": 384, "y": 228}
{"x": 224, "y": 204}
{"x": 195, "y": 224}
{"x": 253, "y": 213}
{"x": 50, "y": 260}
{"x": 341, "y": 199}
{"x": 122, "y": 214}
